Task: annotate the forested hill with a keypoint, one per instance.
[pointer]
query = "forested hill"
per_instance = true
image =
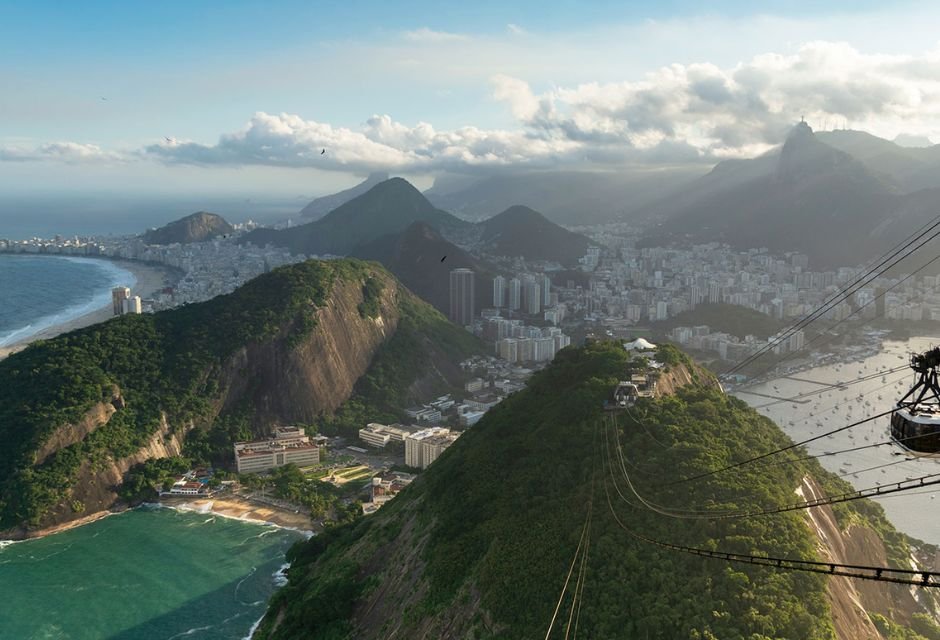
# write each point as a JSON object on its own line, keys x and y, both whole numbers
{"x": 480, "y": 545}
{"x": 291, "y": 346}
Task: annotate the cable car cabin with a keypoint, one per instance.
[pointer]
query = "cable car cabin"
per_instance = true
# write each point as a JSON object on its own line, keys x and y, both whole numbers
{"x": 915, "y": 424}
{"x": 917, "y": 429}
{"x": 625, "y": 395}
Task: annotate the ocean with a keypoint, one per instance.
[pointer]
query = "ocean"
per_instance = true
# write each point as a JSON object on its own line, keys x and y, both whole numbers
{"x": 37, "y": 292}
{"x": 148, "y": 574}
{"x": 818, "y": 408}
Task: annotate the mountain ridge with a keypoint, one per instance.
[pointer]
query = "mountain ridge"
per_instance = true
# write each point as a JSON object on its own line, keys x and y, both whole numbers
{"x": 196, "y": 227}
{"x": 90, "y": 404}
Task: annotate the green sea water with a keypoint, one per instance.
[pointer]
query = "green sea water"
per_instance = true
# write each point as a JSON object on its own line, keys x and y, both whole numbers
{"x": 147, "y": 574}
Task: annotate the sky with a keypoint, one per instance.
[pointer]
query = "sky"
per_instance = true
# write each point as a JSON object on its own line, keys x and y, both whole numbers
{"x": 297, "y": 99}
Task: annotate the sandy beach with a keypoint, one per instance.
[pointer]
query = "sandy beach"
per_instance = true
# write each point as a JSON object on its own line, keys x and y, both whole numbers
{"x": 150, "y": 279}
{"x": 232, "y": 506}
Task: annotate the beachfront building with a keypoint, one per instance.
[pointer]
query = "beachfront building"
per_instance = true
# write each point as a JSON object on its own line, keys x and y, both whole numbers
{"x": 118, "y": 296}
{"x": 425, "y": 446}
{"x": 288, "y": 446}
{"x": 132, "y": 304}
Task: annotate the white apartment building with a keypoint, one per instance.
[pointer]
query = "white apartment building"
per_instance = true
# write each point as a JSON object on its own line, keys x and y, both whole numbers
{"x": 289, "y": 445}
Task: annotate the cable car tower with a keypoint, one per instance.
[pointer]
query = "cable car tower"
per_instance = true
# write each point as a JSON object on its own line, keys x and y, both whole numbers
{"x": 915, "y": 423}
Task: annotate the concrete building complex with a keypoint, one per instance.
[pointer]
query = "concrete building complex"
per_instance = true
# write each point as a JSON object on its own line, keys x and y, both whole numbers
{"x": 289, "y": 445}
{"x": 424, "y": 447}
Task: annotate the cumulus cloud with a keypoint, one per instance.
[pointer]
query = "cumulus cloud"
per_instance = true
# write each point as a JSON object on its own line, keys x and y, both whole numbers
{"x": 744, "y": 109}
{"x": 679, "y": 113}
{"x": 382, "y": 143}
{"x": 67, "y": 152}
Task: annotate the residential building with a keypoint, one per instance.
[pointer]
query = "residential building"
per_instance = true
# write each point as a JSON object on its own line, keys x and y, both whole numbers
{"x": 462, "y": 296}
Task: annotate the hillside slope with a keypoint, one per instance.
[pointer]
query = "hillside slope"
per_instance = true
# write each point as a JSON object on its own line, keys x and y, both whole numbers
{"x": 808, "y": 196}
{"x": 196, "y": 227}
{"x": 422, "y": 259}
{"x": 388, "y": 207}
{"x": 521, "y": 231}
{"x": 479, "y": 546}
{"x": 324, "y": 204}
{"x": 293, "y": 345}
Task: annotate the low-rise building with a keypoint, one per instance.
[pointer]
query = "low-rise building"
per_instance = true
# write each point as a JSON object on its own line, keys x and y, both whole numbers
{"x": 378, "y": 435}
{"x": 288, "y": 446}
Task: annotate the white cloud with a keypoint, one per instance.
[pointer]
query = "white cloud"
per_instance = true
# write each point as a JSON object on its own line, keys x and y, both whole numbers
{"x": 429, "y": 35}
{"x": 678, "y": 113}
{"x": 67, "y": 152}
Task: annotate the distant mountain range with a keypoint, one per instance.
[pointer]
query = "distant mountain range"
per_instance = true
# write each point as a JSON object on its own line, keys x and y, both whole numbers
{"x": 196, "y": 227}
{"x": 393, "y": 223}
{"x": 322, "y": 206}
{"x": 565, "y": 197}
{"x": 841, "y": 197}
{"x": 387, "y": 208}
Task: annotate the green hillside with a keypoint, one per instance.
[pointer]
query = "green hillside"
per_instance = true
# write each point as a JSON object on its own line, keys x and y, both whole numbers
{"x": 479, "y": 546}
{"x": 177, "y": 364}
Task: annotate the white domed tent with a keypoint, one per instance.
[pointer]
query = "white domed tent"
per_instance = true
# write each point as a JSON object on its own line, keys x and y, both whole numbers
{"x": 640, "y": 344}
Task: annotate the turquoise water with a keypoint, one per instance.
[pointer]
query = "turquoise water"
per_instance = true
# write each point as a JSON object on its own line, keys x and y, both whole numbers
{"x": 147, "y": 574}
{"x": 40, "y": 291}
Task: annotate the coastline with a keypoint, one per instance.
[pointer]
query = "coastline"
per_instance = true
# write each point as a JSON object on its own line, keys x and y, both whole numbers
{"x": 233, "y": 507}
{"x": 239, "y": 508}
{"x": 149, "y": 280}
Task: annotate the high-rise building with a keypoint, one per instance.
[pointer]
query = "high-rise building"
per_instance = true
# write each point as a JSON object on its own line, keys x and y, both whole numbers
{"x": 118, "y": 296}
{"x": 546, "y": 289}
{"x": 462, "y": 296}
{"x": 515, "y": 294}
{"x": 499, "y": 291}
{"x": 532, "y": 293}
{"x": 132, "y": 305}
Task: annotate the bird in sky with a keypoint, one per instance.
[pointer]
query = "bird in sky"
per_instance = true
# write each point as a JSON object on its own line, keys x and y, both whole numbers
{"x": 168, "y": 139}
{"x": 322, "y": 152}
{"x": 444, "y": 258}
{"x": 103, "y": 98}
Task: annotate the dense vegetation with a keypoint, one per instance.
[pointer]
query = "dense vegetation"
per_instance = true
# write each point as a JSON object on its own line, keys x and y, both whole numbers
{"x": 162, "y": 364}
{"x": 499, "y": 515}
{"x": 423, "y": 341}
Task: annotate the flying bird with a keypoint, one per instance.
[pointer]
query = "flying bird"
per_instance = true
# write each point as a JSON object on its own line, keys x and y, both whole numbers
{"x": 103, "y": 98}
{"x": 322, "y": 152}
{"x": 170, "y": 140}
{"x": 444, "y": 258}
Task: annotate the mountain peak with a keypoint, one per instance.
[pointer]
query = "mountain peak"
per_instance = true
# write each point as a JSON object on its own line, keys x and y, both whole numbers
{"x": 196, "y": 227}
{"x": 804, "y": 156}
{"x": 323, "y": 205}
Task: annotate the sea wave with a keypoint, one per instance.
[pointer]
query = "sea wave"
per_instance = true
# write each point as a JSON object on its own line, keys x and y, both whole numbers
{"x": 117, "y": 277}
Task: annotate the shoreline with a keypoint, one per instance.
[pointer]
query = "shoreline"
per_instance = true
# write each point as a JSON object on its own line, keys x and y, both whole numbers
{"x": 231, "y": 507}
{"x": 149, "y": 280}
{"x": 239, "y": 508}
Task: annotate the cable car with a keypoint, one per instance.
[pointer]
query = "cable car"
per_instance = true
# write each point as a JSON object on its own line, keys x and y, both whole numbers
{"x": 915, "y": 424}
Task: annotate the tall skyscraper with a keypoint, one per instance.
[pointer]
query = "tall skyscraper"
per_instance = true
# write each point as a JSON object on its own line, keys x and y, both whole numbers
{"x": 462, "y": 296}
{"x": 499, "y": 291}
{"x": 515, "y": 294}
{"x": 118, "y": 296}
{"x": 532, "y": 292}
{"x": 546, "y": 289}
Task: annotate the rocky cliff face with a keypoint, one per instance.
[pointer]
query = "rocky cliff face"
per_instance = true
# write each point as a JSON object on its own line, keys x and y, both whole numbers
{"x": 285, "y": 383}
{"x": 283, "y": 379}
